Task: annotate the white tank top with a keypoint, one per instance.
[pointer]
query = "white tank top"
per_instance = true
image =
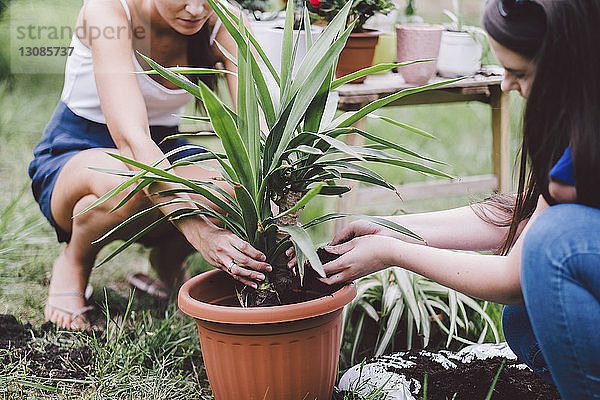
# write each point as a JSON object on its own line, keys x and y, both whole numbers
{"x": 81, "y": 95}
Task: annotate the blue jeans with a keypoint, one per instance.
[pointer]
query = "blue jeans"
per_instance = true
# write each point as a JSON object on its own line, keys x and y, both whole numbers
{"x": 557, "y": 332}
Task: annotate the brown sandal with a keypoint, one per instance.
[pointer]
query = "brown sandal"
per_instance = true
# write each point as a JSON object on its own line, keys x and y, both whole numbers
{"x": 147, "y": 284}
{"x": 74, "y": 314}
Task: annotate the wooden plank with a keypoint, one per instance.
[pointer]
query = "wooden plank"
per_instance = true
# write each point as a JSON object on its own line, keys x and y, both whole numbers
{"x": 424, "y": 190}
{"x": 429, "y": 97}
{"x": 391, "y": 83}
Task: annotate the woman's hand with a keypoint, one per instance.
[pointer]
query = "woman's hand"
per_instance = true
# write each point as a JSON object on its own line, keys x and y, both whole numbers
{"x": 224, "y": 250}
{"x": 562, "y": 192}
{"x": 359, "y": 228}
{"x": 359, "y": 257}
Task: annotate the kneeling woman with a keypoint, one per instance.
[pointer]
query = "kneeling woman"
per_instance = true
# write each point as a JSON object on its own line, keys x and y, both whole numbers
{"x": 549, "y": 273}
{"x": 105, "y": 108}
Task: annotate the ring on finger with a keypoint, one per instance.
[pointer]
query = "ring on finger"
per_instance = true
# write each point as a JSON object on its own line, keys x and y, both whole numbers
{"x": 231, "y": 264}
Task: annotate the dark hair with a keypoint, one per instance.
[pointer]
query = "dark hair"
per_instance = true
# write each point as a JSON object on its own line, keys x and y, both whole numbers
{"x": 562, "y": 107}
{"x": 521, "y": 31}
{"x": 201, "y": 54}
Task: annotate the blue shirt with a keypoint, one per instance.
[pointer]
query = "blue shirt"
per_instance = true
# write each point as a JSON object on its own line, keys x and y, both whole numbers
{"x": 563, "y": 169}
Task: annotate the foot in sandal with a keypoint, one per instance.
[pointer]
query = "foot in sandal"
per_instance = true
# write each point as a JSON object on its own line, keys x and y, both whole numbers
{"x": 67, "y": 294}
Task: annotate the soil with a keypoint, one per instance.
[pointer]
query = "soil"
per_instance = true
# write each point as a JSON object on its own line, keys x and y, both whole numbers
{"x": 289, "y": 289}
{"x": 472, "y": 380}
{"x": 49, "y": 361}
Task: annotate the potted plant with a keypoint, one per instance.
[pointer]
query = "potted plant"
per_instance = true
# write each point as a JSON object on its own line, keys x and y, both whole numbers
{"x": 257, "y": 8}
{"x": 267, "y": 28}
{"x": 360, "y": 47}
{"x": 397, "y": 310}
{"x": 409, "y": 16}
{"x": 461, "y": 45}
{"x": 418, "y": 41}
{"x": 287, "y": 351}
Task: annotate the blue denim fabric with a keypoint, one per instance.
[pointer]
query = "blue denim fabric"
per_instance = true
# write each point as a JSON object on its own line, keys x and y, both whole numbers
{"x": 66, "y": 135}
{"x": 522, "y": 341}
{"x": 560, "y": 279}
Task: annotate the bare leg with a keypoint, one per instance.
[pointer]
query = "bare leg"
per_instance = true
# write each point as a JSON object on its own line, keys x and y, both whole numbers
{"x": 76, "y": 188}
{"x": 168, "y": 261}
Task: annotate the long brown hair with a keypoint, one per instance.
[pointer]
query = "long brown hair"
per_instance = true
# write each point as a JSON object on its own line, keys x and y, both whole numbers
{"x": 562, "y": 109}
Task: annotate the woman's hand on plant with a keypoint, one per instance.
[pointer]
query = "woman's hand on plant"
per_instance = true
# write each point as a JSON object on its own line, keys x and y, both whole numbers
{"x": 356, "y": 229}
{"x": 226, "y": 251}
{"x": 358, "y": 257}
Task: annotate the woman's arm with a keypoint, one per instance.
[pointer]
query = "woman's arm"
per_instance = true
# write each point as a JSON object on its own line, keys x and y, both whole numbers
{"x": 125, "y": 112}
{"x": 458, "y": 228}
{"x": 489, "y": 277}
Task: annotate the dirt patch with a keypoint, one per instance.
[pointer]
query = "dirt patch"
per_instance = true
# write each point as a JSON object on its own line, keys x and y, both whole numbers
{"x": 38, "y": 358}
{"x": 472, "y": 380}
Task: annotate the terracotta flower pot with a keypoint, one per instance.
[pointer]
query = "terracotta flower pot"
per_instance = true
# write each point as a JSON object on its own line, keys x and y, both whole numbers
{"x": 357, "y": 54}
{"x": 418, "y": 42}
{"x": 283, "y": 352}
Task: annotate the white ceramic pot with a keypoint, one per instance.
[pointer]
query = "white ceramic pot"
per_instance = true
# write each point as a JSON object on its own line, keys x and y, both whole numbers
{"x": 460, "y": 55}
{"x": 271, "y": 38}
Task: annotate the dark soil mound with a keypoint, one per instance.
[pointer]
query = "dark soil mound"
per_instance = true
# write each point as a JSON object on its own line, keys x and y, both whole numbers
{"x": 41, "y": 360}
{"x": 10, "y": 330}
{"x": 472, "y": 380}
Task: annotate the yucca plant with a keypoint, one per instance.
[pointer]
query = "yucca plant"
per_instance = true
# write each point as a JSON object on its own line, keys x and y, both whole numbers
{"x": 300, "y": 157}
{"x": 396, "y": 300}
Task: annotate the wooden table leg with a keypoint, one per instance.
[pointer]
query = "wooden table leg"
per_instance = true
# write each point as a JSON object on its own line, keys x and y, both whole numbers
{"x": 501, "y": 156}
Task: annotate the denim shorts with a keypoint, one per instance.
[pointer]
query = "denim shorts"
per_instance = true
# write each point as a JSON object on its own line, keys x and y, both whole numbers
{"x": 66, "y": 135}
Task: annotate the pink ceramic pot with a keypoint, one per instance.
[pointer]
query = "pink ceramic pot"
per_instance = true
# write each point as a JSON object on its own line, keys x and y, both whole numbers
{"x": 418, "y": 42}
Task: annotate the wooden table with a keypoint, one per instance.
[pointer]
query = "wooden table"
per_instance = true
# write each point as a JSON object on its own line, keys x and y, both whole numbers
{"x": 483, "y": 87}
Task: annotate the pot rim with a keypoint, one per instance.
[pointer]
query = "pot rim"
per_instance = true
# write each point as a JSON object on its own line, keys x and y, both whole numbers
{"x": 456, "y": 33}
{"x": 259, "y": 315}
{"x": 367, "y": 32}
{"x": 420, "y": 27}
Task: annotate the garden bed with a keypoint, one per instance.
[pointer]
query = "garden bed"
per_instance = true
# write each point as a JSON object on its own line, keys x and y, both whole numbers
{"x": 18, "y": 345}
{"x": 468, "y": 374}
{"x": 462, "y": 375}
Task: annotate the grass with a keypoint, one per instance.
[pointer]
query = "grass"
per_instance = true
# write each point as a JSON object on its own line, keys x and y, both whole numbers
{"x": 148, "y": 351}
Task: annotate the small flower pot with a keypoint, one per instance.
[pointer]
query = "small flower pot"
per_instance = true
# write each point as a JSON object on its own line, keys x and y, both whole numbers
{"x": 418, "y": 42}
{"x": 270, "y": 37}
{"x": 357, "y": 54}
{"x": 271, "y": 353}
{"x": 460, "y": 55}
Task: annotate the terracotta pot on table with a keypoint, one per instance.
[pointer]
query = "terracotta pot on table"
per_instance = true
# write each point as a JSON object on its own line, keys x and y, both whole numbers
{"x": 357, "y": 54}
{"x": 282, "y": 352}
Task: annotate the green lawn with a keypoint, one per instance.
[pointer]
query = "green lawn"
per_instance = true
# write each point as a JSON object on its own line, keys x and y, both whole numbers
{"x": 147, "y": 350}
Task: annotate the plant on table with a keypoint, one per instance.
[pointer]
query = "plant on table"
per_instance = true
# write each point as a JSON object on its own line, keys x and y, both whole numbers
{"x": 258, "y": 9}
{"x": 457, "y": 23}
{"x": 410, "y": 14}
{"x": 300, "y": 157}
{"x": 462, "y": 46}
{"x": 360, "y": 11}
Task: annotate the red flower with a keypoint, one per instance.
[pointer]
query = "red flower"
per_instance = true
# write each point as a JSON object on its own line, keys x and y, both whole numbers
{"x": 315, "y": 3}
